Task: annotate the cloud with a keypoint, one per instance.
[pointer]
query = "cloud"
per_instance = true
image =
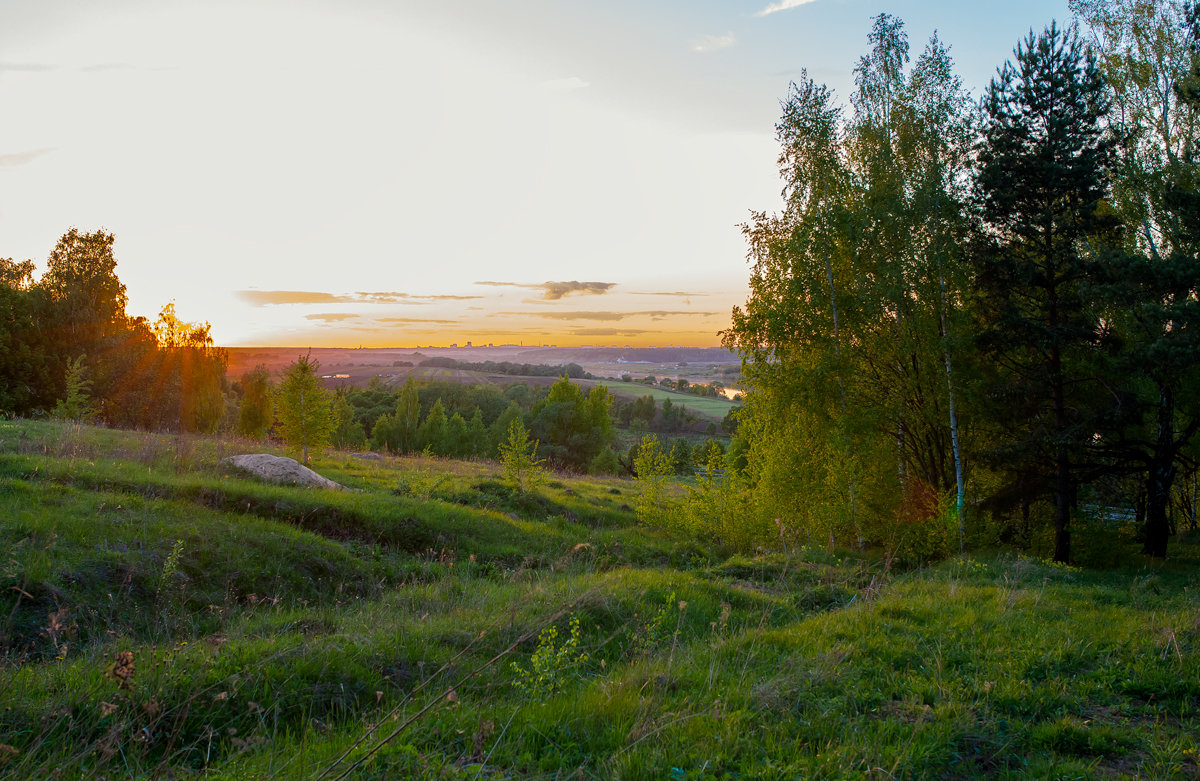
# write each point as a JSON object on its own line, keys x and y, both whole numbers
{"x": 782, "y": 5}
{"x": 274, "y": 297}
{"x": 609, "y": 332}
{"x": 331, "y": 317}
{"x": 108, "y": 66}
{"x": 21, "y": 158}
{"x": 554, "y": 291}
{"x": 569, "y": 84}
{"x": 271, "y": 297}
{"x": 685, "y": 296}
{"x": 571, "y": 315}
{"x": 653, "y": 314}
{"x": 413, "y": 321}
{"x": 711, "y": 43}
{"x": 405, "y": 298}
{"x": 25, "y": 67}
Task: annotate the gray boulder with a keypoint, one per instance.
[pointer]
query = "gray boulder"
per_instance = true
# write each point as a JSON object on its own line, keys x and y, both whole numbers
{"x": 277, "y": 469}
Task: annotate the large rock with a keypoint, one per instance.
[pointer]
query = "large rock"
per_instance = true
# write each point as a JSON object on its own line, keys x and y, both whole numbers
{"x": 277, "y": 469}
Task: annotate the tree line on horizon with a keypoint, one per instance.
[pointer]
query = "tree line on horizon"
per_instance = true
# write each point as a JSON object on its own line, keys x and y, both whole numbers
{"x": 70, "y": 351}
{"x": 979, "y": 321}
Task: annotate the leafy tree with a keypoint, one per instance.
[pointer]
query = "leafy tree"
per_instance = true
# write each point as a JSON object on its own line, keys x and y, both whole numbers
{"x": 256, "y": 412}
{"x": 1153, "y": 283}
{"x": 85, "y": 307}
{"x": 670, "y": 416}
{"x": 81, "y": 284}
{"x": 195, "y": 368}
{"x": 653, "y": 468}
{"x": 498, "y": 432}
{"x": 642, "y": 412}
{"x": 349, "y": 432}
{"x": 573, "y": 428}
{"x": 523, "y": 470}
{"x": 76, "y": 404}
{"x": 477, "y": 434}
{"x": 407, "y": 418}
{"x": 304, "y": 408}
{"x": 383, "y": 434}
{"x": 852, "y": 295}
{"x": 25, "y": 371}
{"x": 432, "y": 434}
{"x": 1043, "y": 162}
{"x": 457, "y": 444}
{"x": 1145, "y": 55}
{"x": 681, "y": 456}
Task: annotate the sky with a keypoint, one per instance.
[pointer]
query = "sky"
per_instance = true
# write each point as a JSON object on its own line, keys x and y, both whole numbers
{"x": 401, "y": 173}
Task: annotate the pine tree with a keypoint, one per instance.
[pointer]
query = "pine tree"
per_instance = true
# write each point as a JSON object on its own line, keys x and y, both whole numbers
{"x": 1043, "y": 164}
{"x": 305, "y": 409}
{"x": 76, "y": 405}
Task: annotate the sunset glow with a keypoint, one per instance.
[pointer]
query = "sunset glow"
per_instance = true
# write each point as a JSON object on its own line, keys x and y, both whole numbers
{"x": 371, "y": 173}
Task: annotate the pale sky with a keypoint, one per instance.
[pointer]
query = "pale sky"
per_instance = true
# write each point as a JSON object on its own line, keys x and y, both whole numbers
{"x": 362, "y": 172}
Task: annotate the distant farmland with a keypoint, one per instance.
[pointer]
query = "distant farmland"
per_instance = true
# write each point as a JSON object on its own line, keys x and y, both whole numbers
{"x": 705, "y": 406}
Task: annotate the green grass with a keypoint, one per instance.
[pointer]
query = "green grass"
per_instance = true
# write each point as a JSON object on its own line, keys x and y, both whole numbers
{"x": 293, "y": 623}
{"x": 705, "y": 406}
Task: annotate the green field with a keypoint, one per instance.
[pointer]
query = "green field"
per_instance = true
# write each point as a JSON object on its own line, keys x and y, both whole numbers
{"x": 705, "y": 406}
{"x": 163, "y": 618}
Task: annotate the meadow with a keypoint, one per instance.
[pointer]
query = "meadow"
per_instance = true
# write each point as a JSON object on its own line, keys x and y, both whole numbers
{"x": 162, "y": 617}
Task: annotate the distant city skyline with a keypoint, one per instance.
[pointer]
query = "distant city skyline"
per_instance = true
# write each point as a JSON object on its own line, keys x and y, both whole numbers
{"x": 400, "y": 173}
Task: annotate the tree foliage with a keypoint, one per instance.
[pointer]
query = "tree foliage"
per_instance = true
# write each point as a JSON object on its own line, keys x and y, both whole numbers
{"x": 573, "y": 428}
{"x": 304, "y": 408}
{"x": 1043, "y": 162}
{"x": 843, "y": 337}
{"x": 523, "y": 470}
{"x": 256, "y": 412}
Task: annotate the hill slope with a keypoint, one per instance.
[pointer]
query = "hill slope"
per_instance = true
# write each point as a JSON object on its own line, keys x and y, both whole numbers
{"x": 164, "y": 618}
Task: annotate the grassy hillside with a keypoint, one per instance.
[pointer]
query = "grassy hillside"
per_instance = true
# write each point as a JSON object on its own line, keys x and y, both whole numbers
{"x": 161, "y": 617}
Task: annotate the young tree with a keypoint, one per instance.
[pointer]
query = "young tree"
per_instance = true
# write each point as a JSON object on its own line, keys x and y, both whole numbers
{"x": 1042, "y": 173}
{"x": 304, "y": 408}
{"x": 477, "y": 434}
{"x": 256, "y": 412}
{"x": 653, "y": 468}
{"x": 406, "y": 421}
{"x": 432, "y": 434}
{"x": 574, "y": 428}
{"x": 349, "y": 432}
{"x": 523, "y": 470}
{"x": 195, "y": 372}
{"x": 76, "y": 404}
